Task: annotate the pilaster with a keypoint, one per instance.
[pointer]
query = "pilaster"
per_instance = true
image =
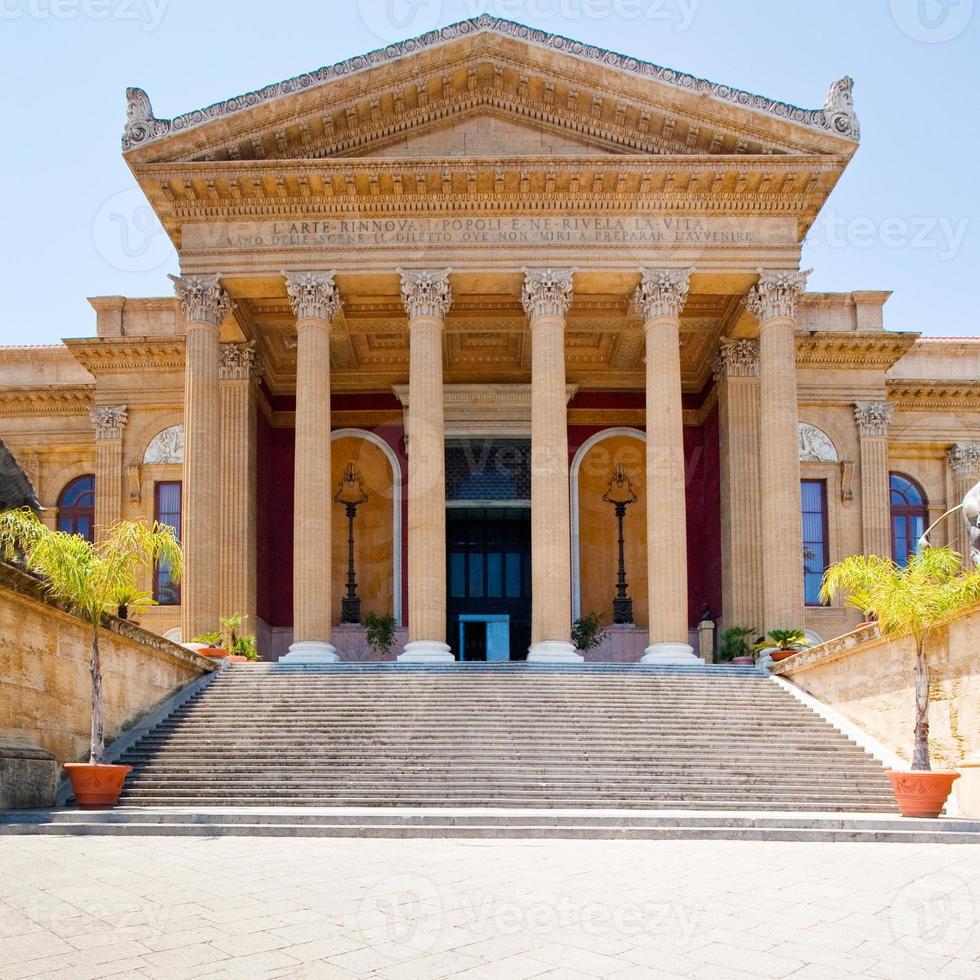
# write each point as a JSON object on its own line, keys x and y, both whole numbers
{"x": 109, "y": 422}
{"x": 872, "y": 420}
{"x": 963, "y": 464}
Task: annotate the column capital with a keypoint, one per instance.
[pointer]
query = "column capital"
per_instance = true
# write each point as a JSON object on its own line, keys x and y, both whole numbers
{"x": 736, "y": 359}
{"x": 237, "y": 362}
{"x": 662, "y": 292}
{"x": 964, "y": 459}
{"x": 873, "y": 418}
{"x": 109, "y": 421}
{"x": 202, "y": 298}
{"x": 426, "y": 292}
{"x": 776, "y": 293}
{"x": 312, "y": 295}
{"x": 547, "y": 292}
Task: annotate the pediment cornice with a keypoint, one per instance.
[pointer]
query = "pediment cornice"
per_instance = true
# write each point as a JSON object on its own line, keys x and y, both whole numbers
{"x": 622, "y": 103}
{"x": 101, "y": 356}
{"x": 860, "y": 350}
{"x": 934, "y": 395}
{"x": 46, "y": 400}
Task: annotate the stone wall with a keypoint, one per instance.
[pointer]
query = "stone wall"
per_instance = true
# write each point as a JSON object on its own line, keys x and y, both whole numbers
{"x": 869, "y": 680}
{"x": 45, "y": 687}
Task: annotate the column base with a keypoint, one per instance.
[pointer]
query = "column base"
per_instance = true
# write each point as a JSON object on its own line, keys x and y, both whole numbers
{"x": 426, "y": 652}
{"x": 311, "y": 652}
{"x": 681, "y": 654}
{"x": 554, "y": 652}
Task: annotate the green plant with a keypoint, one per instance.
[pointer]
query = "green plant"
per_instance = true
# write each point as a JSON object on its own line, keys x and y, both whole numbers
{"x": 131, "y": 601}
{"x": 245, "y": 646}
{"x": 231, "y": 625}
{"x": 86, "y": 578}
{"x": 913, "y": 600}
{"x": 588, "y": 632}
{"x": 210, "y": 639}
{"x": 734, "y": 642}
{"x": 793, "y": 639}
{"x": 380, "y": 632}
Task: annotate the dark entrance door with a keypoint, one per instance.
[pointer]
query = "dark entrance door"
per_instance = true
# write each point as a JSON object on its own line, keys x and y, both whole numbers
{"x": 489, "y": 582}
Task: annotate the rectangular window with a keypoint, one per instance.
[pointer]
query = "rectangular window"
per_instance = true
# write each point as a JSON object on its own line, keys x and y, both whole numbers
{"x": 166, "y": 507}
{"x": 813, "y": 496}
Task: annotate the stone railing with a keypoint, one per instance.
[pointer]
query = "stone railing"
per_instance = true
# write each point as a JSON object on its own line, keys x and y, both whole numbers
{"x": 45, "y": 685}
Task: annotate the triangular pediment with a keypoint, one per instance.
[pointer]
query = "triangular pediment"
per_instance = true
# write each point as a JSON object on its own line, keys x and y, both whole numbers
{"x": 542, "y": 90}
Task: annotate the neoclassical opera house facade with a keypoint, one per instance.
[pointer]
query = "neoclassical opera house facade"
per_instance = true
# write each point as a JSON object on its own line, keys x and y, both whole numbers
{"x": 502, "y": 281}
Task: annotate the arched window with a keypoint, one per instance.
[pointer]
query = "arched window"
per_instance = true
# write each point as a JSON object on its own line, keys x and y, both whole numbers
{"x": 910, "y": 516}
{"x": 76, "y": 507}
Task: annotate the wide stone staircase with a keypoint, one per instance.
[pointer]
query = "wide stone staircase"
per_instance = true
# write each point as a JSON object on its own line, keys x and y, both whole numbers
{"x": 507, "y": 736}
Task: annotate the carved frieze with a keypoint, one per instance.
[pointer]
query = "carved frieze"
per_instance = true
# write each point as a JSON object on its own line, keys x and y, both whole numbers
{"x": 109, "y": 421}
{"x": 776, "y": 293}
{"x": 662, "y": 292}
{"x": 547, "y": 292}
{"x": 426, "y": 292}
{"x": 873, "y": 418}
{"x": 313, "y": 295}
{"x": 202, "y": 298}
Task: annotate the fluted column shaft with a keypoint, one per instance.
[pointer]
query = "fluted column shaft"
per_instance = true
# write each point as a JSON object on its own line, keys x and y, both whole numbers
{"x": 547, "y": 296}
{"x": 963, "y": 462}
{"x": 205, "y": 305}
{"x": 660, "y": 298}
{"x": 109, "y": 422}
{"x": 872, "y": 420}
{"x": 427, "y": 296}
{"x": 238, "y": 484}
{"x": 773, "y": 301}
{"x": 315, "y": 302}
{"x": 737, "y": 376}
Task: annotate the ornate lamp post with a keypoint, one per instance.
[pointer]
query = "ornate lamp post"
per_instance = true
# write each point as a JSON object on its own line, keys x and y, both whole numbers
{"x": 620, "y": 494}
{"x": 351, "y": 494}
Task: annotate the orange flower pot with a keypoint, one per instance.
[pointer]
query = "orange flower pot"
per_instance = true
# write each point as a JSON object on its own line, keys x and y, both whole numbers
{"x": 217, "y": 653}
{"x": 96, "y": 785}
{"x": 921, "y": 793}
{"x": 778, "y": 655}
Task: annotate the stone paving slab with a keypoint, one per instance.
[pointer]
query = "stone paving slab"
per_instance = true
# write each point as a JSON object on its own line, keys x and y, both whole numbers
{"x": 390, "y": 909}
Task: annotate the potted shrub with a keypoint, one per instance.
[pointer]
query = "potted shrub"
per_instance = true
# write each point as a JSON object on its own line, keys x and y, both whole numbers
{"x": 783, "y": 643}
{"x": 380, "y": 633}
{"x": 734, "y": 647}
{"x": 87, "y": 579}
{"x": 241, "y": 646}
{"x": 912, "y": 601}
{"x": 212, "y": 645}
{"x": 588, "y": 632}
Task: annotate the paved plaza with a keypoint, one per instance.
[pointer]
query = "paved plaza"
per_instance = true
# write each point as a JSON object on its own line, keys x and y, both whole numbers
{"x": 259, "y": 907}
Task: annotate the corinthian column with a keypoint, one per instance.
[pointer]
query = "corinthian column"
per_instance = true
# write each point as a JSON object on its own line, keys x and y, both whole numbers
{"x": 736, "y": 372}
{"x": 963, "y": 461}
{"x": 660, "y": 297}
{"x": 237, "y": 376}
{"x": 547, "y": 295}
{"x": 109, "y": 422}
{"x": 205, "y": 305}
{"x": 427, "y": 297}
{"x": 315, "y": 302}
{"x": 872, "y": 420}
{"x": 773, "y": 301}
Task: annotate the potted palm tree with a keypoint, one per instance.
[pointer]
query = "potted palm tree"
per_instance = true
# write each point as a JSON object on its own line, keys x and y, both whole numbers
{"x": 914, "y": 600}
{"x": 780, "y": 644}
{"x": 88, "y": 579}
{"x": 735, "y": 648}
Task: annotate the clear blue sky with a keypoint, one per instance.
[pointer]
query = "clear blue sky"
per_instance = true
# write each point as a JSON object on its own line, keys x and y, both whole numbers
{"x": 905, "y": 217}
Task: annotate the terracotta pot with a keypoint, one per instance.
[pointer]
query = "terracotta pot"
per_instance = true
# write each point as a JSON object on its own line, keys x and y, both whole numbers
{"x": 96, "y": 785}
{"x": 778, "y": 655}
{"x": 217, "y": 653}
{"x": 234, "y": 658}
{"x": 921, "y": 793}
{"x": 742, "y": 661}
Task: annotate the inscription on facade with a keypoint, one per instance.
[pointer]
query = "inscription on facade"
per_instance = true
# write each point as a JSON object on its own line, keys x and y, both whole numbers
{"x": 448, "y": 231}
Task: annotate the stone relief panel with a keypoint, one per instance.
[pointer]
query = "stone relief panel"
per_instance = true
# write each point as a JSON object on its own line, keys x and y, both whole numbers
{"x": 166, "y": 446}
{"x": 816, "y": 446}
